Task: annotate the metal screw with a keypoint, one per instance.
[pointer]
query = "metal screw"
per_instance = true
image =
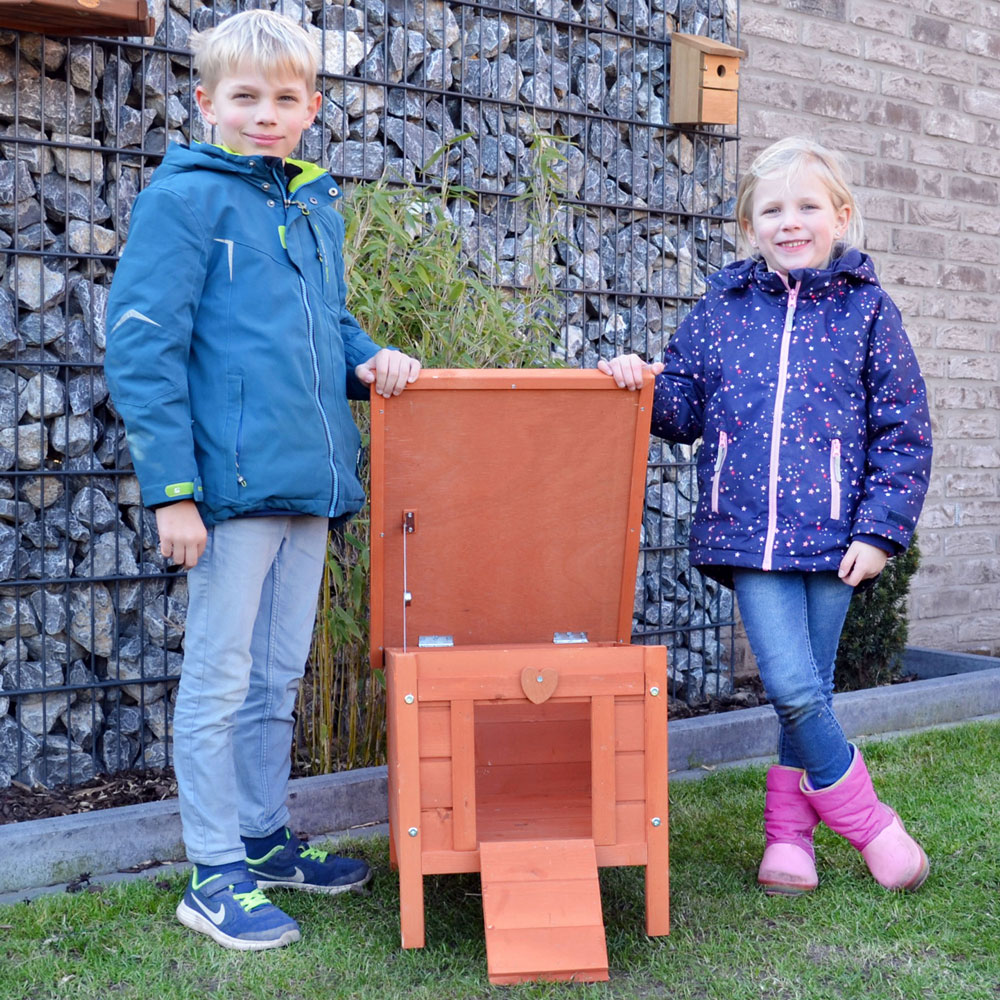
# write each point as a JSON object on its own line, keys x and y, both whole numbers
{"x": 654, "y": 691}
{"x": 408, "y": 699}
{"x": 413, "y": 830}
{"x": 539, "y": 678}
{"x": 655, "y": 821}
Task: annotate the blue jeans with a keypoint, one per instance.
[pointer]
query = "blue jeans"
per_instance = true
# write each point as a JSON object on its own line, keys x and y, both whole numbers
{"x": 793, "y": 622}
{"x": 251, "y": 609}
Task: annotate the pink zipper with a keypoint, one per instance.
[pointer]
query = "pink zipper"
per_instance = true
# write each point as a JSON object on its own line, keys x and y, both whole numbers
{"x": 835, "y": 477}
{"x": 779, "y": 403}
{"x": 720, "y": 459}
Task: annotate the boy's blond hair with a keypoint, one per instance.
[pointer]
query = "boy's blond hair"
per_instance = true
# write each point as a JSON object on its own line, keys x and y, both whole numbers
{"x": 788, "y": 157}
{"x": 270, "y": 43}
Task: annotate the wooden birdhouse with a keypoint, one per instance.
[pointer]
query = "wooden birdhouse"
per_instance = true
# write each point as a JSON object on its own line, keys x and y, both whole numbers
{"x": 78, "y": 17}
{"x": 704, "y": 80}
{"x": 527, "y": 739}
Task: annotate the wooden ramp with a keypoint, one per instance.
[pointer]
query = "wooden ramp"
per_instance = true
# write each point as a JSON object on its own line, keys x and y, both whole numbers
{"x": 542, "y": 910}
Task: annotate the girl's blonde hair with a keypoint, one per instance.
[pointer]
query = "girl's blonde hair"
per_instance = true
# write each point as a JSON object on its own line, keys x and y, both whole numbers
{"x": 270, "y": 43}
{"x": 788, "y": 157}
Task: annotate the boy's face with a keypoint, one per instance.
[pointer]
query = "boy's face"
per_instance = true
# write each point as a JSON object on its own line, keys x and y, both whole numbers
{"x": 259, "y": 115}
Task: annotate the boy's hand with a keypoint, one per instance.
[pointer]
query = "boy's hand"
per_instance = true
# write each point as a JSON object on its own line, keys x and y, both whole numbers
{"x": 182, "y": 532}
{"x": 627, "y": 370}
{"x": 391, "y": 371}
{"x": 860, "y": 562}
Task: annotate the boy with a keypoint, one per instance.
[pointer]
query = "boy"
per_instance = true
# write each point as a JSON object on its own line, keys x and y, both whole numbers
{"x": 231, "y": 355}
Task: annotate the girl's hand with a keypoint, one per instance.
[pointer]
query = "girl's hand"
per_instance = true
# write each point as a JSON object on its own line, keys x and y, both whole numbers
{"x": 182, "y": 532}
{"x": 861, "y": 562}
{"x": 627, "y": 370}
{"x": 391, "y": 371}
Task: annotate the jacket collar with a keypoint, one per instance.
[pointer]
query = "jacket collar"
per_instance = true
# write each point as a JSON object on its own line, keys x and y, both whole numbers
{"x": 851, "y": 264}
{"x": 207, "y": 156}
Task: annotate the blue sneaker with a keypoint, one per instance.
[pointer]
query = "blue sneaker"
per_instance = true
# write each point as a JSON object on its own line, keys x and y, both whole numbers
{"x": 296, "y": 865}
{"x": 231, "y": 910}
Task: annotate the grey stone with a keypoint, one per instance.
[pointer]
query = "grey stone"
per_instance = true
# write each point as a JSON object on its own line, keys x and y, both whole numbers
{"x": 93, "y": 508}
{"x": 117, "y": 751}
{"x": 78, "y": 345}
{"x": 39, "y": 713}
{"x": 92, "y": 618}
{"x": 31, "y": 153}
{"x": 50, "y": 563}
{"x": 87, "y": 392}
{"x": 357, "y": 159}
{"x": 126, "y": 719}
{"x": 93, "y": 302}
{"x": 432, "y": 17}
{"x": 44, "y": 396}
{"x": 78, "y": 157}
{"x": 165, "y": 625}
{"x": 35, "y": 285}
{"x": 16, "y": 183}
{"x": 26, "y": 675}
{"x": 42, "y": 491}
{"x": 13, "y": 405}
{"x": 62, "y": 767}
{"x": 66, "y": 109}
{"x": 58, "y": 648}
{"x": 18, "y": 747}
{"x": 8, "y": 551}
{"x": 24, "y": 446}
{"x": 50, "y": 609}
{"x": 83, "y": 722}
{"x": 89, "y": 238}
{"x": 38, "y": 329}
{"x": 86, "y": 65}
{"x": 66, "y": 198}
{"x": 75, "y": 434}
{"x": 110, "y": 554}
{"x": 159, "y": 719}
{"x": 154, "y": 754}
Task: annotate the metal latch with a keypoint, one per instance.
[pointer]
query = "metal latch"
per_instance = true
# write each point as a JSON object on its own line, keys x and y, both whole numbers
{"x": 435, "y": 641}
{"x": 564, "y": 638}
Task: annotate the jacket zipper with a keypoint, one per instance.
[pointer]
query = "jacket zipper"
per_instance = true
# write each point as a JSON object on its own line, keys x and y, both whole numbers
{"x": 779, "y": 403}
{"x": 720, "y": 458}
{"x": 317, "y": 397}
{"x": 836, "y": 474}
{"x": 239, "y": 441}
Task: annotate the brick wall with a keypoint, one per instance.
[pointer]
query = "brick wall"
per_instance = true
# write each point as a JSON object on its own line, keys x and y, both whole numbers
{"x": 909, "y": 91}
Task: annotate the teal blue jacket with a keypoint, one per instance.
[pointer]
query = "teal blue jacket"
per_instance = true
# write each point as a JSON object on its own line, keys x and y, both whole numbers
{"x": 230, "y": 348}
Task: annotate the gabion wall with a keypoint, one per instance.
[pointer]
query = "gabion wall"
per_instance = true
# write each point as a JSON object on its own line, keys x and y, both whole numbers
{"x": 91, "y": 618}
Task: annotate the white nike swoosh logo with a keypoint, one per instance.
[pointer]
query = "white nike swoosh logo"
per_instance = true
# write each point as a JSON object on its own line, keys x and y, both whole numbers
{"x": 297, "y": 877}
{"x": 216, "y": 916}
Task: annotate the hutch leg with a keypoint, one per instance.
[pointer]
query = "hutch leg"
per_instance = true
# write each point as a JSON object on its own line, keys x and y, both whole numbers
{"x": 404, "y": 793}
{"x": 657, "y": 844}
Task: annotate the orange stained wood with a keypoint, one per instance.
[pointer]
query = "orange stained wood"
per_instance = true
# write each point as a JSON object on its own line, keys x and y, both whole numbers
{"x": 528, "y": 488}
{"x": 542, "y": 911}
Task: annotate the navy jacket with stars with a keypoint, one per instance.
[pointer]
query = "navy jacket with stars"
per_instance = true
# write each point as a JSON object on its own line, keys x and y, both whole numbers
{"x": 813, "y": 413}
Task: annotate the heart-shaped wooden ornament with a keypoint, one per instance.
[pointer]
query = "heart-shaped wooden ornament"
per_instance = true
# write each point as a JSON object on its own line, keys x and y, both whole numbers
{"x": 538, "y": 685}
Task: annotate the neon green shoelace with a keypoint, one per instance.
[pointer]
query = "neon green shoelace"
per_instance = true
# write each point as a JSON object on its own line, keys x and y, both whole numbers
{"x": 251, "y": 900}
{"x": 312, "y": 853}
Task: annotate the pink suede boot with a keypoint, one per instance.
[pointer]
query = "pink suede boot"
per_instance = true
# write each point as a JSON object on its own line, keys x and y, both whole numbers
{"x": 788, "y": 867}
{"x": 851, "y": 808}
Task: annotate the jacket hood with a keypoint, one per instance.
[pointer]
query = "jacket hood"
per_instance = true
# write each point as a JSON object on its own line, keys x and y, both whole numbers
{"x": 206, "y": 156}
{"x": 856, "y": 266}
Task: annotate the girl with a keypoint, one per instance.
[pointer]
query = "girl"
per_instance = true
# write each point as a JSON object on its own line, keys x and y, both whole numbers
{"x": 796, "y": 371}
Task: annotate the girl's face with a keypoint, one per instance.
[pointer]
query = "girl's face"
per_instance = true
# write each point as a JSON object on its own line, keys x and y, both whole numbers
{"x": 793, "y": 221}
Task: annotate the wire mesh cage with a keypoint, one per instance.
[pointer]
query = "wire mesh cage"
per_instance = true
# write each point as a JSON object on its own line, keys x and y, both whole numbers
{"x": 416, "y": 91}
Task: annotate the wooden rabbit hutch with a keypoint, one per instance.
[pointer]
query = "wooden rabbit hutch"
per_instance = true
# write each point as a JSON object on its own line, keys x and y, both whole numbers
{"x": 527, "y": 739}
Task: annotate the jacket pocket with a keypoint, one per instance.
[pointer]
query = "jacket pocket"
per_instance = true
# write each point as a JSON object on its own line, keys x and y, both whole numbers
{"x": 235, "y": 482}
{"x": 720, "y": 461}
{"x": 835, "y": 477}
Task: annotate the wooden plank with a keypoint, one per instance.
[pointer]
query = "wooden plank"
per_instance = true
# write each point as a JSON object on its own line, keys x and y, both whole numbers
{"x": 636, "y": 500}
{"x": 541, "y": 742}
{"x": 629, "y": 715}
{"x": 401, "y": 678}
{"x": 463, "y": 775}
{"x": 435, "y": 729}
{"x": 71, "y": 18}
{"x": 630, "y": 777}
{"x": 553, "y": 710}
{"x": 602, "y": 768}
{"x": 719, "y": 107}
{"x": 542, "y": 911}
{"x": 435, "y": 784}
{"x": 657, "y": 843}
{"x": 437, "y": 862}
{"x": 376, "y": 558}
{"x": 456, "y": 450}
{"x": 534, "y": 781}
{"x": 435, "y": 831}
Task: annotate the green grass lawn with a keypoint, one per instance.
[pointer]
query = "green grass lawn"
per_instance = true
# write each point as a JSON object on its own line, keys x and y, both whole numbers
{"x": 849, "y": 940}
